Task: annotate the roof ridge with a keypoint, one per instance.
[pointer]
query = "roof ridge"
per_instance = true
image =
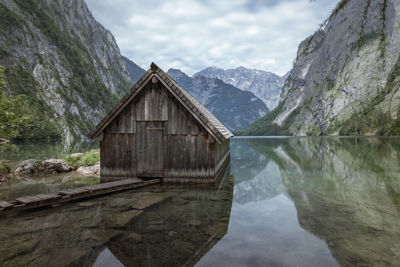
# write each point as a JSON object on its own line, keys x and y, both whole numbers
{"x": 203, "y": 114}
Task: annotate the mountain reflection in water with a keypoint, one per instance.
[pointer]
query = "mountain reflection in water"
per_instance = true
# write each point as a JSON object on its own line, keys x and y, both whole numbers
{"x": 282, "y": 202}
{"x": 346, "y": 192}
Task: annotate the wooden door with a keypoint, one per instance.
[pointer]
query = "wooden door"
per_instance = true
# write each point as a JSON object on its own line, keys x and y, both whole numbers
{"x": 150, "y": 160}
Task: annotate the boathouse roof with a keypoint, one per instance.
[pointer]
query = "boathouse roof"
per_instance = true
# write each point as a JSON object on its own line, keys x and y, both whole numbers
{"x": 213, "y": 126}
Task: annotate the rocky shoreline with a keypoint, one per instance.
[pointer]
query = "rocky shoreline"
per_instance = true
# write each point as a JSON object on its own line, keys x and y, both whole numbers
{"x": 33, "y": 167}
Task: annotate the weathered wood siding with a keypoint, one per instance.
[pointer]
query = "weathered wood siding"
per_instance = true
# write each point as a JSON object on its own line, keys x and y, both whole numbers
{"x": 190, "y": 153}
{"x": 222, "y": 151}
{"x": 190, "y": 156}
{"x": 117, "y": 155}
{"x": 152, "y": 103}
{"x": 150, "y": 148}
{"x": 118, "y": 158}
{"x": 155, "y": 136}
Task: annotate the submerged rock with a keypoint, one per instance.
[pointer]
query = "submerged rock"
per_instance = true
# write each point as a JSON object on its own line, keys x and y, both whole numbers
{"x": 90, "y": 170}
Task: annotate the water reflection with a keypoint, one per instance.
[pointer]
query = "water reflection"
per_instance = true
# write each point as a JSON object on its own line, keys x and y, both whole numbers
{"x": 346, "y": 191}
{"x": 14, "y": 153}
{"x": 153, "y": 226}
{"x": 44, "y": 184}
{"x": 283, "y": 202}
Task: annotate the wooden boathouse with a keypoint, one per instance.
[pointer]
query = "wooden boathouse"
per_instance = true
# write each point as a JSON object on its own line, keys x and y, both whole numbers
{"x": 159, "y": 130}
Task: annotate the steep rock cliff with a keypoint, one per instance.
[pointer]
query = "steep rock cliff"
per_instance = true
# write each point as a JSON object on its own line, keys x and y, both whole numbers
{"x": 345, "y": 78}
{"x": 57, "y": 54}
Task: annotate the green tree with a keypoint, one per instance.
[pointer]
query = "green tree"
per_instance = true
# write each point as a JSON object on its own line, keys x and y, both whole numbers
{"x": 17, "y": 121}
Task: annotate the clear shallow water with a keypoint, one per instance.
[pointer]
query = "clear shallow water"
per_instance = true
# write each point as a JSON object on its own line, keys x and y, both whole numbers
{"x": 283, "y": 202}
{"x": 13, "y": 154}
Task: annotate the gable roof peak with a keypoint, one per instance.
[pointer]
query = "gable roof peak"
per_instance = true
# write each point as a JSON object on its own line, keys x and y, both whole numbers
{"x": 213, "y": 126}
{"x": 154, "y": 67}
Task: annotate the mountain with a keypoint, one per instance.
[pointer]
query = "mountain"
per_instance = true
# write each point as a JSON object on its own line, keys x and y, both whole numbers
{"x": 265, "y": 85}
{"x": 345, "y": 78}
{"x": 63, "y": 60}
{"x": 135, "y": 72}
{"x": 235, "y": 108}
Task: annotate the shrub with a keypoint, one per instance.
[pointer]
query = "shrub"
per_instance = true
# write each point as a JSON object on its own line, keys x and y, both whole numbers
{"x": 88, "y": 159}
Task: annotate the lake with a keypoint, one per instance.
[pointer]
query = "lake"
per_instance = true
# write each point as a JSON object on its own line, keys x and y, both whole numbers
{"x": 282, "y": 202}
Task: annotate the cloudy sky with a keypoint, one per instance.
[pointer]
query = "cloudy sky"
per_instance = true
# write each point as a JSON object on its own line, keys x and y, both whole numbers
{"x": 194, "y": 34}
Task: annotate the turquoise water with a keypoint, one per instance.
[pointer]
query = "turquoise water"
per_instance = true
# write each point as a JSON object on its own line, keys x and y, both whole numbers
{"x": 282, "y": 202}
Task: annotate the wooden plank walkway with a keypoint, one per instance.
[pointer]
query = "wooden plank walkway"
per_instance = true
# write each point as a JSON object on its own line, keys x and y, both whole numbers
{"x": 41, "y": 200}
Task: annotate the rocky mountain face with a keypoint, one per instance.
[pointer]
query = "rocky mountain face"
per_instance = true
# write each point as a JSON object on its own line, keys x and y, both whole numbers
{"x": 135, "y": 72}
{"x": 345, "y": 78}
{"x": 58, "y": 55}
{"x": 265, "y": 85}
{"x": 235, "y": 108}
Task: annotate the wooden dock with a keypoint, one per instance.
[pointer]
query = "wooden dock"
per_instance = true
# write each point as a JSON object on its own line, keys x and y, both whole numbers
{"x": 42, "y": 200}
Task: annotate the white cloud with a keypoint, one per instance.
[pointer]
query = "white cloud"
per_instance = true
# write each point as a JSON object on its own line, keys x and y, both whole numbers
{"x": 194, "y": 34}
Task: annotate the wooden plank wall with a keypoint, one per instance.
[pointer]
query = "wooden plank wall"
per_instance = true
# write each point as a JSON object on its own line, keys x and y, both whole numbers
{"x": 180, "y": 121}
{"x": 222, "y": 151}
{"x": 125, "y": 122}
{"x": 191, "y": 156}
{"x": 188, "y": 152}
{"x": 117, "y": 155}
{"x": 149, "y": 148}
{"x": 152, "y": 104}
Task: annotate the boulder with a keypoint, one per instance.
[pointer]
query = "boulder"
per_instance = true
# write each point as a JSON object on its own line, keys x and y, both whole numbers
{"x": 27, "y": 167}
{"x": 77, "y": 155}
{"x": 32, "y": 166}
{"x": 54, "y": 166}
{"x": 5, "y": 173}
{"x": 90, "y": 170}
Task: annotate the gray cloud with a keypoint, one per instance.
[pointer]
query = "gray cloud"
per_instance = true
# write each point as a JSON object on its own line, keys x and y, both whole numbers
{"x": 194, "y": 34}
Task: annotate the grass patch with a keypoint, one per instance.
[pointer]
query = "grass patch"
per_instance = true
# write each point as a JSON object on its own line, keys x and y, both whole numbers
{"x": 87, "y": 159}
